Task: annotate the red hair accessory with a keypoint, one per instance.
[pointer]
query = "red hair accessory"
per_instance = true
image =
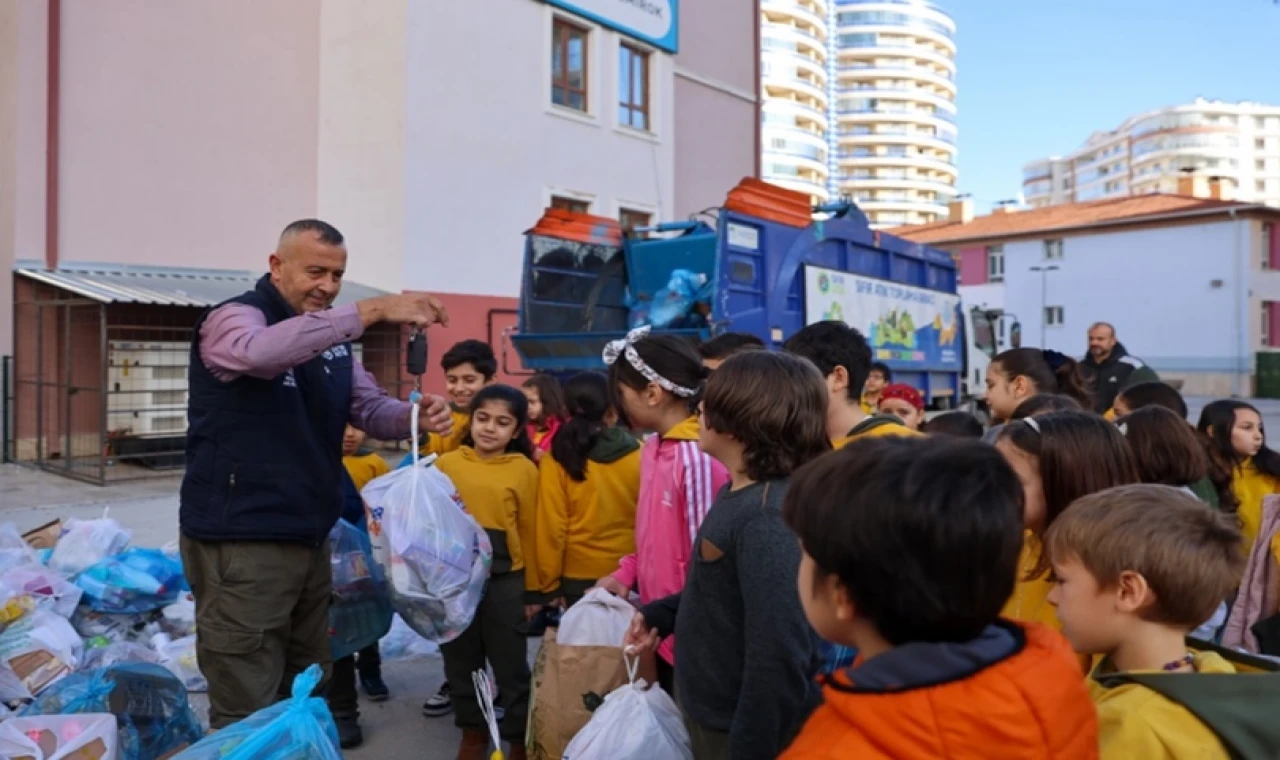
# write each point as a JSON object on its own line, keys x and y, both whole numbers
{"x": 903, "y": 392}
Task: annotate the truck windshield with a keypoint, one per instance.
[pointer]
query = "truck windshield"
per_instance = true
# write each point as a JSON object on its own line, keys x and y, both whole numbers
{"x": 984, "y": 337}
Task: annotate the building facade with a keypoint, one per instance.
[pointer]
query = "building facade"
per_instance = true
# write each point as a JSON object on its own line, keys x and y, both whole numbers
{"x": 866, "y": 87}
{"x": 1192, "y": 285}
{"x": 1239, "y": 143}
{"x": 170, "y": 145}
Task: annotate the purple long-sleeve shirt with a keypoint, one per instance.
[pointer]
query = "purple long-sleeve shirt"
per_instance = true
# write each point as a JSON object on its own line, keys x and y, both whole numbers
{"x": 235, "y": 340}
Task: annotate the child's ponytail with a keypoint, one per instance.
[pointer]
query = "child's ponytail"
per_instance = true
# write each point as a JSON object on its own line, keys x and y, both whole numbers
{"x": 586, "y": 396}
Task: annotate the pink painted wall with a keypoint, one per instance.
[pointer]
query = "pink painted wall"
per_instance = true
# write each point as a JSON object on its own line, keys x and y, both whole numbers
{"x": 973, "y": 265}
{"x": 190, "y": 129}
{"x": 715, "y": 83}
{"x": 1273, "y": 323}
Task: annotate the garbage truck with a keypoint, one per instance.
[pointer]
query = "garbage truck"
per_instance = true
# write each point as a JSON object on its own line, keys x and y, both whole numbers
{"x": 765, "y": 263}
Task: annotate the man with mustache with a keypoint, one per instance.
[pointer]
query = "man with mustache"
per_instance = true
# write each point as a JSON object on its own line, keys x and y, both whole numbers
{"x": 273, "y": 383}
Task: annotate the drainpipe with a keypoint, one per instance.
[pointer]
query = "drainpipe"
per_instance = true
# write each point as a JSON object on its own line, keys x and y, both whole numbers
{"x": 52, "y": 122}
{"x": 1237, "y": 384}
{"x": 759, "y": 94}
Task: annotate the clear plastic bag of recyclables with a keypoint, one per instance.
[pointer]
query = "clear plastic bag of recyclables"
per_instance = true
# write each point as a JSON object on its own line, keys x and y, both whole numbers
{"x": 434, "y": 554}
{"x": 299, "y": 728}
{"x": 150, "y": 705}
{"x": 360, "y": 610}
{"x": 136, "y": 580}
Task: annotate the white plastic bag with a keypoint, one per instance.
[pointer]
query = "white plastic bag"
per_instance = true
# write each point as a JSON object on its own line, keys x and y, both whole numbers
{"x": 117, "y": 653}
{"x": 85, "y": 543}
{"x": 14, "y": 550}
{"x": 48, "y": 589}
{"x": 179, "y": 618}
{"x": 179, "y": 657}
{"x": 598, "y": 619}
{"x": 35, "y": 652}
{"x": 634, "y": 723}
{"x": 436, "y": 557}
{"x": 403, "y": 643}
{"x": 91, "y": 736}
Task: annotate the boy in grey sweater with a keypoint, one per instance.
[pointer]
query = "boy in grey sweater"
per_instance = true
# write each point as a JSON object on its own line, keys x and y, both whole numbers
{"x": 747, "y": 657}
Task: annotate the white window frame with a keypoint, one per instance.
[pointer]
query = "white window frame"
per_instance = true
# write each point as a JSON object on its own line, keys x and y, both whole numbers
{"x": 1266, "y": 323}
{"x": 651, "y": 134}
{"x": 594, "y": 33}
{"x": 550, "y": 192}
{"x": 995, "y": 253}
{"x": 1054, "y": 316}
{"x": 1054, "y": 249}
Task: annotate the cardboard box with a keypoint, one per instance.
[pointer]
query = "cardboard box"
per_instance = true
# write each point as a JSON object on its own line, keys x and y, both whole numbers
{"x": 45, "y": 536}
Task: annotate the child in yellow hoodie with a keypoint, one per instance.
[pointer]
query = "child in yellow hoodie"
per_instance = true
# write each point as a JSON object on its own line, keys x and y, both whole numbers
{"x": 843, "y": 357}
{"x": 1238, "y": 442}
{"x": 587, "y": 491}
{"x": 1136, "y": 569}
{"x": 494, "y": 473}
{"x": 1059, "y": 457}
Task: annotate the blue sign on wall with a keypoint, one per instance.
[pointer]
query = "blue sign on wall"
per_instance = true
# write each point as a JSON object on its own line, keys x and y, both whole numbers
{"x": 653, "y": 21}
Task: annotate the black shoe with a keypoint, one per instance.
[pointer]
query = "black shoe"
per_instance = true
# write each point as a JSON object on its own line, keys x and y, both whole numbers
{"x": 349, "y": 733}
{"x": 375, "y": 688}
{"x": 441, "y": 703}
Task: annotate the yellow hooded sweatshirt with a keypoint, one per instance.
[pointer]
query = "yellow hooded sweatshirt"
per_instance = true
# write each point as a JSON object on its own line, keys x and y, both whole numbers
{"x": 365, "y": 467}
{"x": 1134, "y": 722}
{"x": 1030, "y": 600}
{"x": 585, "y": 527}
{"x": 501, "y": 493}
{"x": 1249, "y": 487}
{"x": 875, "y": 426}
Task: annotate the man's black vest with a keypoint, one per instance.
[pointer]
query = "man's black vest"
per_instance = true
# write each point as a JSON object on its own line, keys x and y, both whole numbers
{"x": 264, "y": 456}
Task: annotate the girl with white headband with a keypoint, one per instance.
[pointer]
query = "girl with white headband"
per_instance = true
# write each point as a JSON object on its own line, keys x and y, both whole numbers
{"x": 657, "y": 380}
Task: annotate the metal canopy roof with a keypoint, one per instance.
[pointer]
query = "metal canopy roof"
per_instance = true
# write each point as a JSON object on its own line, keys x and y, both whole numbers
{"x": 161, "y": 286}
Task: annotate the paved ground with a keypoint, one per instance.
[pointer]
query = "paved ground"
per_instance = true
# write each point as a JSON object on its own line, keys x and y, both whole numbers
{"x": 394, "y": 730}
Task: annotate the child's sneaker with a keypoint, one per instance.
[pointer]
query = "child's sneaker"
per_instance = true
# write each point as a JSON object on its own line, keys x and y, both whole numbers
{"x": 439, "y": 704}
{"x": 375, "y": 688}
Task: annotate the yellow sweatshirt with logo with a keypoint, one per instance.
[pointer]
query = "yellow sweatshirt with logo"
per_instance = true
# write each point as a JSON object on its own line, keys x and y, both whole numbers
{"x": 365, "y": 467}
{"x": 1249, "y": 487}
{"x": 877, "y": 426}
{"x": 1136, "y": 723}
{"x": 585, "y": 527}
{"x": 501, "y": 493}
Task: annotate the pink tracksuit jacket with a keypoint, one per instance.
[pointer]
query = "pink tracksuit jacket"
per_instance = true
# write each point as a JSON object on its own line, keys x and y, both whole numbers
{"x": 678, "y": 483}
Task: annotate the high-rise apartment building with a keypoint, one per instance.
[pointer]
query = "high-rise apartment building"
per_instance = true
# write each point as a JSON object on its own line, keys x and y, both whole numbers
{"x": 1236, "y": 143}
{"x": 795, "y": 86}
{"x": 868, "y": 88}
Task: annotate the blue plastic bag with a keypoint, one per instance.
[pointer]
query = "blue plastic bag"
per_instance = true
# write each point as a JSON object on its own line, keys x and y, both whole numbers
{"x": 136, "y": 580}
{"x": 360, "y": 611}
{"x": 673, "y": 306}
{"x": 150, "y": 704}
{"x": 298, "y": 728}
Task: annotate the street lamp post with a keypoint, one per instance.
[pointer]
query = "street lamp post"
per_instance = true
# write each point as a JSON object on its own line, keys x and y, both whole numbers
{"x": 1044, "y": 300}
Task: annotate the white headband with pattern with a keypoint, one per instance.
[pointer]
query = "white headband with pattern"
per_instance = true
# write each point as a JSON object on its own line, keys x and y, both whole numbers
{"x": 1031, "y": 423}
{"x": 626, "y": 347}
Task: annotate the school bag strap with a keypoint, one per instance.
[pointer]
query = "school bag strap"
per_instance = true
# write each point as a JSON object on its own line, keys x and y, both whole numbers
{"x": 1239, "y": 708}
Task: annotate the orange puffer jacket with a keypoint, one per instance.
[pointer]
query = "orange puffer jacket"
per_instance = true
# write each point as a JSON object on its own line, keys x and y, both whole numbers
{"x": 1014, "y": 693}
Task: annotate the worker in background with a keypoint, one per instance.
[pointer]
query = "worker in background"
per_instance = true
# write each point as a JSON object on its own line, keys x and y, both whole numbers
{"x": 273, "y": 383}
{"x": 1110, "y": 368}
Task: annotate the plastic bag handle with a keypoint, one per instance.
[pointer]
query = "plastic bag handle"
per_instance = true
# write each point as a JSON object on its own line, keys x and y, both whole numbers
{"x": 414, "y": 437}
{"x": 632, "y": 661}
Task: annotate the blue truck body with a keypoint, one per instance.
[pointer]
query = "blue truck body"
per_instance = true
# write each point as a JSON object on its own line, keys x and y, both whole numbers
{"x": 574, "y": 297}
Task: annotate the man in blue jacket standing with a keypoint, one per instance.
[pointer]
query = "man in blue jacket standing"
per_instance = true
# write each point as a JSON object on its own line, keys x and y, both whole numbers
{"x": 272, "y": 384}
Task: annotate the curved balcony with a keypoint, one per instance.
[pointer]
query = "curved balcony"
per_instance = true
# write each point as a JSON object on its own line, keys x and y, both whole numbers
{"x": 799, "y": 134}
{"x": 795, "y": 35}
{"x": 919, "y": 206}
{"x": 800, "y": 162}
{"x": 783, "y": 58}
{"x": 792, "y": 9}
{"x": 921, "y": 162}
{"x": 915, "y": 31}
{"x": 796, "y": 108}
{"x": 794, "y": 84}
{"x": 878, "y": 116}
{"x": 908, "y": 52}
{"x": 859, "y": 71}
{"x": 897, "y": 94}
{"x": 886, "y": 183}
{"x": 938, "y": 142}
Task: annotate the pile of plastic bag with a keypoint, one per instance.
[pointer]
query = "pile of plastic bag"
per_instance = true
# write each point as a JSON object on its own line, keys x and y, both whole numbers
{"x": 435, "y": 556}
{"x": 677, "y": 305}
